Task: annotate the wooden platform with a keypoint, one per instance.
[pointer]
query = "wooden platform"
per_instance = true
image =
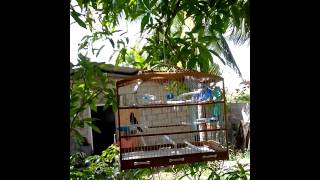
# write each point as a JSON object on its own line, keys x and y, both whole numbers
{"x": 172, "y": 160}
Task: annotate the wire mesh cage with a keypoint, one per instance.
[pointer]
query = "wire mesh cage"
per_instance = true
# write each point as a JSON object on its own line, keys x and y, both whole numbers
{"x": 167, "y": 118}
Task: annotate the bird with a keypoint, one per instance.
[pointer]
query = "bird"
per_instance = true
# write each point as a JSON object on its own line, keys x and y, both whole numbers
{"x": 133, "y": 120}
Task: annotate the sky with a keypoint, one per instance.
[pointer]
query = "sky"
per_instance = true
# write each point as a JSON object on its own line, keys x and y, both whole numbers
{"x": 241, "y": 53}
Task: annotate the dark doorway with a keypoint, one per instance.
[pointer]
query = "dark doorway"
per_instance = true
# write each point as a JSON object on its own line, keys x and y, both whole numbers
{"x": 106, "y": 124}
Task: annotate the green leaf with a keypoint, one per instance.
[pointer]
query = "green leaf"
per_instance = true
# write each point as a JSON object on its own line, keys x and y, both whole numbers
{"x": 225, "y": 23}
{"x": 218, "y": 24}
{"x": 85, "y": 37}
{"x": 94, "y": 4}
{"x": 95, "y": 128}
{"x": 80, "y": 3}
{"x": 180, "y": 178}
{"x": 211, "y": 176}
{"x": 233, "y": 178}
{"x": 204, "y": 64}
{"x": 241, "y": 167}
{"x": 198, "y": 29}
{"x": 185, "y": 49}
{"x": 207, "y": 38}
{"x": 119, "y": 59}
{"x": 236, "y": 15}
{"x": 83, "y": 45}
{"x": 144, "y": 21}
{"x": 216, "y": 54}
{"x": 146, "y": 3}
{"x": 114, "y": 107}
{"x": 75, "y": 16}
{"x": 123, "y": 52}
{"x": 99, "y": 50}
{"x": 180, "y": 16}
{"x": 76, "y": 136}
{"x": 93, "y": 106}
{"x": 74, "y": 98}
{"x": 190, "y": 34}
{"x": 179, "y": 40}
{"x": 111, "y": 41}
{"x": 152, "y": 3}
{"x": 107, "y": 104}
{"x": 120, "y": 42}
{"x": 205, "y": 54}
{"x": 191, "y": 63}
{"x": 81, "y": 86}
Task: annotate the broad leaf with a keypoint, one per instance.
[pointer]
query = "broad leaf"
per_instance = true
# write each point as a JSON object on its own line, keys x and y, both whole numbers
{"x": 93, "y": 106}
{"x": 76, "y": 136}
{"x": 236, "y": 15}
{"x": 191, "y": 63}
{"x": 95, "y": 128}
{"x": 80, "y": 2}
{"x": 75, "y": 16}
{"x": 205, "y": 54}
{"x": 146, "y": 3}
{"x": 144, "y": 21}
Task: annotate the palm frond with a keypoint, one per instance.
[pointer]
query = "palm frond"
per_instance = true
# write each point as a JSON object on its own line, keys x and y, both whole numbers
{"x": 241, "y": 22}
{"x": 215, "y": 69}
{"x": 224, "y": 48}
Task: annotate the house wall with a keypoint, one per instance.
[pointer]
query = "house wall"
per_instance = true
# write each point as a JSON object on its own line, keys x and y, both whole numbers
{"x": 87, "y": 131}
{"x": 234, "y": 119}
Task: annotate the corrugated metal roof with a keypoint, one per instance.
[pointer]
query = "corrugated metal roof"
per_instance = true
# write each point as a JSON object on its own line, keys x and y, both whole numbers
{"x": 113, "y": 70}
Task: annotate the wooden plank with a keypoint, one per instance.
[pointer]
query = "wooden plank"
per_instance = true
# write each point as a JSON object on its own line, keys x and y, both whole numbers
{"x": 170, "y": 105}
{"x": 165, "y": 160}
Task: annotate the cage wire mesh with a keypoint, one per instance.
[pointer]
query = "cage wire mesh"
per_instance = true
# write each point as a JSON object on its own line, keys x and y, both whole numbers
{"x": 177, "y": 117}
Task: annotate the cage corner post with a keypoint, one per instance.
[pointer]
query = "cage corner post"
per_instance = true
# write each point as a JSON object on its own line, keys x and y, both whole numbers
{"x": 118, "y": 119}
{"x": 225, "y": 117}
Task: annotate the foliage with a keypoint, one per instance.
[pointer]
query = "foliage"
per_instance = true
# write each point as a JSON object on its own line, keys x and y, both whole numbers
{"x": 242, "y": 95}
{"x": 191, "y": 171}
{"x": 177, "y": 87}
{"x": 235, "y": 154}
{"x": 237, "y": 172}
{"x": 188, "y": 33}
{"x": 88, "y": 83}
{"x": 242, "y": 98}
{"x": 77, "y": 159}
{"x": 209, "y": 170}
{"x": 133, "y": 58}
{"x": 106, "y": 166}
{"x": 97, "y": 167}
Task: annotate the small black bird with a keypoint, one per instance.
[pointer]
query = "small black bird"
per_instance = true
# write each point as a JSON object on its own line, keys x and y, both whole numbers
{"x": 133, "y": 120}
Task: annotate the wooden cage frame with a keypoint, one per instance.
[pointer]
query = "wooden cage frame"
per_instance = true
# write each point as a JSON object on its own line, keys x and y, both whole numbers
{"x": 177, "y": 159}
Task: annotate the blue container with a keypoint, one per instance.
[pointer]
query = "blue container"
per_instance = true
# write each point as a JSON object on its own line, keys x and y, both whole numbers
{"x": 124, "y": 129}
{"x": 170, "y": 96}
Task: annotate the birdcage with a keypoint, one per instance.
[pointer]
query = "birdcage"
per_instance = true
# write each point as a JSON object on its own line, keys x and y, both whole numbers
{"x": 167, "y": 118}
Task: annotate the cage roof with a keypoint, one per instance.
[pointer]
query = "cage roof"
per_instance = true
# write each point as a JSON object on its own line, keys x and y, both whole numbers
{"x": 149, "y": 75}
